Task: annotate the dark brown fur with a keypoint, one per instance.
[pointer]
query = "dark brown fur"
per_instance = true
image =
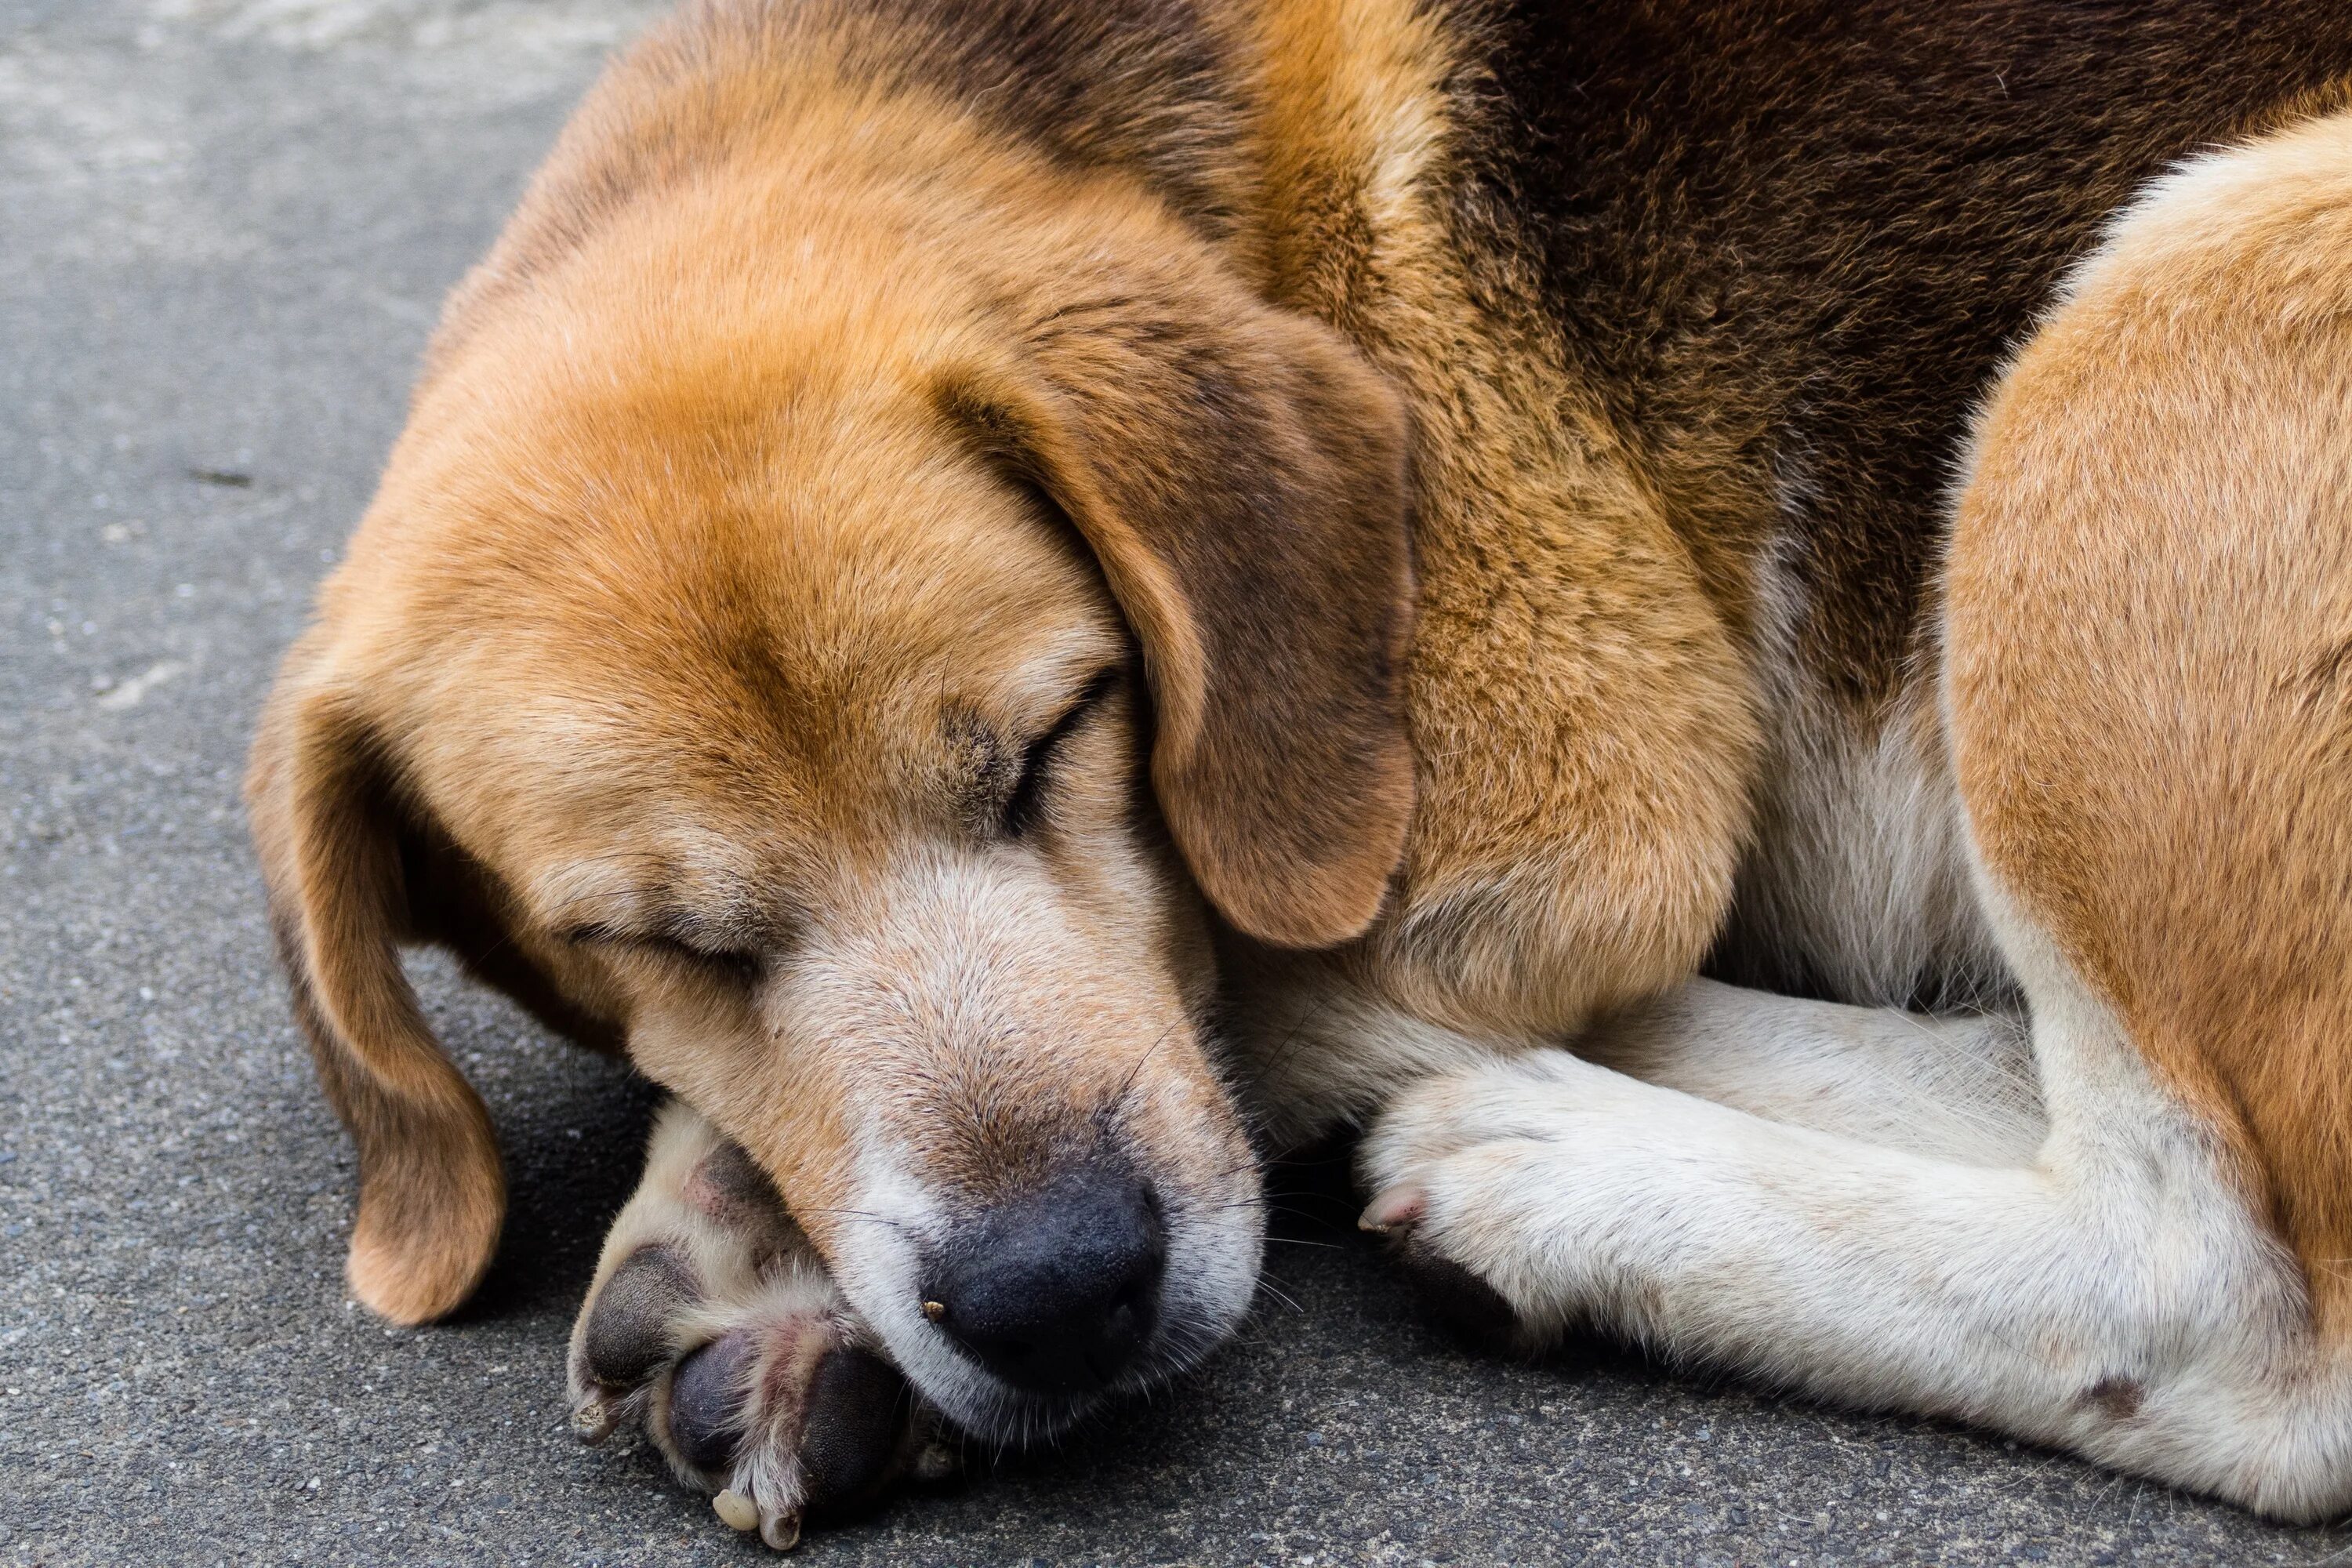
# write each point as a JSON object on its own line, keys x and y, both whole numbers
{"x": 1791, "y": 245}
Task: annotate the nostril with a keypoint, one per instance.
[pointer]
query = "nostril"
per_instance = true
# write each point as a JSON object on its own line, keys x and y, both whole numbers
{"x": 1058, "y": 1290}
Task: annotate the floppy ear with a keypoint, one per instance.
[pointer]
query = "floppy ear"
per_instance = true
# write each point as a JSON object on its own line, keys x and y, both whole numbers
{"x": 1241, "y": 474}
{"x": 432, "y": 1195}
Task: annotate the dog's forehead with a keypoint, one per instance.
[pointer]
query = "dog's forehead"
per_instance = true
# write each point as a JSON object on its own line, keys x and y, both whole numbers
{"x": 837, "y": 644}
{"x": 674, "y": 860}
{"x": 767, "y": 594}
{"x": 701, "y": 698}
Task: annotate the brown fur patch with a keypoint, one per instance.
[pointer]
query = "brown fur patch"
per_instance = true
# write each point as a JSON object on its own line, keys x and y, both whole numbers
{"x": 1786, "y": 246}
{"x": 2116, "y": 1398}
{"x": 2150, "y": 584}
{"x": 1241, "y": 477}
{"x": 432, "y": 1194}
{"x": 1583, "y": 731}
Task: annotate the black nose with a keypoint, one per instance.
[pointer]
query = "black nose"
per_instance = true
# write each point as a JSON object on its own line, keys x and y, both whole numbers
{"x": 1056, "y": 1291}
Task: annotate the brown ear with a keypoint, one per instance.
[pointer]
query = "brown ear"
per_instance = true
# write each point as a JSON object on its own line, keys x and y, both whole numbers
{"x": 1241, "y": 474}
{"x": 432, "y": 1195}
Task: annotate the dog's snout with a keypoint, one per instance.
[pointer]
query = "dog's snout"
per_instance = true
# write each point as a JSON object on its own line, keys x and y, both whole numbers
{"x": 1055, "y": 1291}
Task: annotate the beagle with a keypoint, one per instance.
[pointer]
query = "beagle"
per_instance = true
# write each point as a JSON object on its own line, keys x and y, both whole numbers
{"x": 1731, "y": 626}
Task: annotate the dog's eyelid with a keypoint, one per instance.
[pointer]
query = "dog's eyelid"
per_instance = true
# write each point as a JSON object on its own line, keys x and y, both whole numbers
{"x": 1022, "y": 804}
{"x": 1088, "y": 697}
{"x": 696, "y": 946}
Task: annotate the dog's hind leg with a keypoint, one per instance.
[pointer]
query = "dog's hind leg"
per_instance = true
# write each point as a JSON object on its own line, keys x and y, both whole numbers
{"x": 712, "y": 1321}
{"x": 2149, "y": 608}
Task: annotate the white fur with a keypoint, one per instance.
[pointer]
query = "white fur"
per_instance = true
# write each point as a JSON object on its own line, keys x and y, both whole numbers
{"x": 2004, "y": 1218}
{"x": 2109, "y": 1291}
{"x": 1314, "y": 1049}
{"x": 1957, "y": 1088}
{"x": 1854, "y": 881}
{"x": 981, "y": 950}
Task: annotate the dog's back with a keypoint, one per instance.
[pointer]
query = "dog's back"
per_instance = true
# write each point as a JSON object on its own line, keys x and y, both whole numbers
{"x": 1793, "y": 245}
{"x": 1788, "y": 251}
{"x": 1788, "y": 248}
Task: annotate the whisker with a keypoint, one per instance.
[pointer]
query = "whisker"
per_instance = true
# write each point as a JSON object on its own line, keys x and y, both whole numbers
{"x": 850, "y": 1213}
{"x": 1118, "y": 1100}
{"x": 1268, "y": 1283}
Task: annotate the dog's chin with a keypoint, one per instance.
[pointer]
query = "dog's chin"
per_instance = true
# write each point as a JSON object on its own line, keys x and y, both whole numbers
{"x": 984, "y": 1406}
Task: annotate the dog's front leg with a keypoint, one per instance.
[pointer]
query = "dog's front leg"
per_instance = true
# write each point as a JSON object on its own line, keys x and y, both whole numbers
{"x": 713, "y": 1324}
{"x": 2106, "y": 1287}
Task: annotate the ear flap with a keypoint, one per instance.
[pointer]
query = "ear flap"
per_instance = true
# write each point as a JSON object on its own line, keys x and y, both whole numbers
{"x": 432, "y": 1194}
{"x": 1240, "y": 476}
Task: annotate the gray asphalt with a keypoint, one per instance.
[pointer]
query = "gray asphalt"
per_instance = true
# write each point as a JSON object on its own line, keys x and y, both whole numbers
{"x": 224, "y": 228}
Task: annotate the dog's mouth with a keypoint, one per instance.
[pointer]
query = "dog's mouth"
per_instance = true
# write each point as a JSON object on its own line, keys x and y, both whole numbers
{"x": 1029, "y": 1313}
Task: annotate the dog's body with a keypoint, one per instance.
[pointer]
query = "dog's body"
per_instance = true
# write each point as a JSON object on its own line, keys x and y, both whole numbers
{"x": 1631, "y": 353}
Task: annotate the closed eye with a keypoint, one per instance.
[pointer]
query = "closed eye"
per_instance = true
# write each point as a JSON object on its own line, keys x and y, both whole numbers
{"x": 736, "y": 964}
{"x": 1026, "y": 802}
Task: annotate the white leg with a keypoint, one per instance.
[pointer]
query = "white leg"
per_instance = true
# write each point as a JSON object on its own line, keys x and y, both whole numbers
{"x": 2112, "y": 1294}
{"x": 1962, "y": 1087}
{"x": 1315, "y": 1050}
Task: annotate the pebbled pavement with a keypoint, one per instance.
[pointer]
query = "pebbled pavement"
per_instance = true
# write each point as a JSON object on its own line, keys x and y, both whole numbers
{"x": 223, "y": 228}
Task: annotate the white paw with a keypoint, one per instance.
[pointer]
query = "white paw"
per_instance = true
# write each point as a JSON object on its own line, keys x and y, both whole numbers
{"x": 1491, "y": 1179}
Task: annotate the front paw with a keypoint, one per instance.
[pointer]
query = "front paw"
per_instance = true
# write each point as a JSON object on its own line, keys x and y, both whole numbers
{"x": 714, "y": 1328}
{"x": 770, "y": 1399}
{"x": 1481, "y": 1180}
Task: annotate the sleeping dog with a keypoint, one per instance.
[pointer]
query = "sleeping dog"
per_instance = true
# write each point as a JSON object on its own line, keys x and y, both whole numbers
{"x": 1729, "y": 625}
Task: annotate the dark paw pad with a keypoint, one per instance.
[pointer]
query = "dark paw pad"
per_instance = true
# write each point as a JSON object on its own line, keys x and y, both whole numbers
{"x": 857, "y": 1406}
{"x": 628, "y": 1328}
{"x": 706, "y": 1401}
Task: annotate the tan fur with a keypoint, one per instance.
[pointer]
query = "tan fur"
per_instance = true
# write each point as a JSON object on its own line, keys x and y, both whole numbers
{"x": 2150, "y": 610}
{"x": 432, "y": 1194}
{"x": 1582, "y": 725}
{"x": 809, "y": 440}
{"x": 700, "y": 585}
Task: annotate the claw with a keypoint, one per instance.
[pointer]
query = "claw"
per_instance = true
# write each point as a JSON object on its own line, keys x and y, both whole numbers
{"x": 1398, "y": 1205}
{"x": 593, "y": 1418}
{"x": 736, "y": 1509}
{"x": 780, "y": 1528}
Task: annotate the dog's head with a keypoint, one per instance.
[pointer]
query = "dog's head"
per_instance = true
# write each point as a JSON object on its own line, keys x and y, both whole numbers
{"x": 846, "y": 654}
